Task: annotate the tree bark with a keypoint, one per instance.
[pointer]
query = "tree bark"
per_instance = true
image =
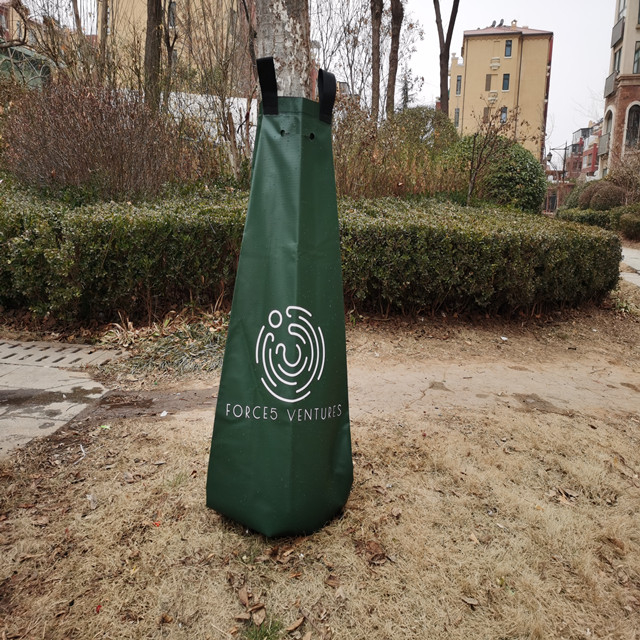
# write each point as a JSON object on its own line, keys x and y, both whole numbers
{"x": 152, "y": 51}
{"x": 376, "y": 23}
{"x": 397, "y": 16}
{"x": 76, "y": 17}
{"x": 283, "y": 31}
{"x": 445, "y": 47}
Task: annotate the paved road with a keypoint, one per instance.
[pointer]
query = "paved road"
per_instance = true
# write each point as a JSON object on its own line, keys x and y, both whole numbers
{"x": 631, "y": 257}
{"x": 42, "y": 387}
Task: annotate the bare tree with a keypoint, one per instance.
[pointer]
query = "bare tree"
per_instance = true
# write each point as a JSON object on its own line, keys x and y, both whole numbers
{"x": 283, "y": 32}
{"x": 376, "y": 24}
{"x": 397, "y": 16}
{"x": 152, "y": 52}
{"x": 445, "y": 47}
{"x": 495, "y": 131}
{"x": 76, "y": 17}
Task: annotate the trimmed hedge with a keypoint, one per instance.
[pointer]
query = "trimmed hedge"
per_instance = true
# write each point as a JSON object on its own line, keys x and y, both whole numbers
{"x": 625, "y": 219}
{"x": 406, "y": 257}
{"x": 602, "y": 219}
{"x": 94, "y": 261}
{"x": 630, "y": 226}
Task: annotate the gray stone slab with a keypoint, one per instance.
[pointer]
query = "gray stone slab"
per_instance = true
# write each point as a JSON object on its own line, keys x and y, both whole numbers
{"x": 52, "y": 354}
{"x": 633, "y": 278}
{"x": 42, "y": 387}
{"x": 14, "y": 376}
{"x": 631, "y": 257}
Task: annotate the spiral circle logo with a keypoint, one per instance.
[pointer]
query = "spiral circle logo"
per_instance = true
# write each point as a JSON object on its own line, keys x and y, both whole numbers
{"x": 291, "y": 352}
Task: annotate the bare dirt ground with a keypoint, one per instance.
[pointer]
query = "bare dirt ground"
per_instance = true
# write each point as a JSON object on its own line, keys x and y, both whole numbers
{"x": 496, "y": 495}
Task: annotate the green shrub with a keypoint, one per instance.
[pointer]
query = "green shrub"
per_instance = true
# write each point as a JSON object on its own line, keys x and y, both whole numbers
{"x": 406, "y": 257}
{"x": 584, "y": 199}
{"x": 515, "y": 178}
{"x": 630, "y": 226}
{"x": 618, "y": 212}
{"x": 93, "y": 261}
{"x": 572, "y": 201}
{"x": 601, "y": 219}
{"x": 607, "y": 196}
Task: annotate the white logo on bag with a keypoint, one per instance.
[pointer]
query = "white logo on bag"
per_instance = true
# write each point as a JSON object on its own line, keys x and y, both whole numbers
{"x": 286, "y": 373}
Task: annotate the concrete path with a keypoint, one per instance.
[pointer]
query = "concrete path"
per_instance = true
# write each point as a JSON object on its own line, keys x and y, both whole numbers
{"x": 42, "y": 388}
{"x": 631, "y": 257}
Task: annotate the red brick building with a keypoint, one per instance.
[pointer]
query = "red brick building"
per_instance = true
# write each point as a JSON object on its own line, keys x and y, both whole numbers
{"x": 621, "y": 127}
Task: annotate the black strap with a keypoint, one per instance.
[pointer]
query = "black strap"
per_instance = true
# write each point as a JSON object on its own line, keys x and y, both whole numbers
{"x": 268, "y": 86}
{"x": 327, "y": 93}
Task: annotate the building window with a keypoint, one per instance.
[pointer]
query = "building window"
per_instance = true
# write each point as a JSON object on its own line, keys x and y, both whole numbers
{"x": 507, "y": 49}
{"x": 485, "y": 115}
{"x": 633, "y": 126}
{"x": 616, "y": 60}
{"x": 503, "y": 115}
{"x": 636, "y": 59}
{"x": 456, "y": 117}
{"x": 505, "y": 82}
{"x": 622, "y": 5}
{"x": 487, "y": 82}
{"x": 458, "y": 85}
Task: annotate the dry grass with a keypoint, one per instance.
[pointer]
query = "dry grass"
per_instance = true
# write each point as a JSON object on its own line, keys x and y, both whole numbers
{"x": 460, "y": 525}
{"x": 506, "y": 522}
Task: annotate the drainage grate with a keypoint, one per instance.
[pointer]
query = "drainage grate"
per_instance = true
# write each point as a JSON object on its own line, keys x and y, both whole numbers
{"x": 51, "y": 354}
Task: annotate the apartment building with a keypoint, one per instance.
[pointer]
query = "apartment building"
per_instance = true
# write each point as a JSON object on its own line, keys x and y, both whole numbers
{"x": 621, "y": 128}
{"x": 504, "y": 69}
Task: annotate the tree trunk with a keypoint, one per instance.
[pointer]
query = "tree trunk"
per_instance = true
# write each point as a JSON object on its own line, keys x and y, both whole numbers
{"x": 102, "y": 35}
{"x": 445, "y": 48}
{"x": 397, "y": 16}
{"x": 152, "y": 50}
{"x": 376, "y": 23}
{"x": 282, "y": 31}
{"x": 76, "y": 17}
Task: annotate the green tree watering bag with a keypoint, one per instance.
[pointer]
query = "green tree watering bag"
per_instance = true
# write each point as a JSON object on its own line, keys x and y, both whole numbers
{"x": 280, "y": 459}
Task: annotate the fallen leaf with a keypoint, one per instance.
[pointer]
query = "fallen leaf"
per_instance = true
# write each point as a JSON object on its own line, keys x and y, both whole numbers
{"x": 472, "y": 602}
{"x": 307, "y": 636}
{"x": 474, "y": 538}
{"x": 375, "y": 552}
{"x": 92, "y": 501}
{"x": 159, "y": 462}
{"x": 243, "y": 596}
{"x": 296, "y": 625}
{"x": 42, "y": 521}
{"x": 396, "y": 512}
{"x": 332, "y": 580}
{"x": 243, "y": 617}
{"x": 340, "y": 594}
{"x": 166, "y": 619}
{"x": 259, "y": 616}
{"x": 128, "y": 477}
{"x": 256, "y": 607}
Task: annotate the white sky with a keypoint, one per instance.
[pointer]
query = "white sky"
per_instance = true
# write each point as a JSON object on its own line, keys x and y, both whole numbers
{"x": 581, "y": 51}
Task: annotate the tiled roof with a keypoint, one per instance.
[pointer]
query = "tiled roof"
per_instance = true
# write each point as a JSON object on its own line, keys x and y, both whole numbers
{"x": 506, "y": 30}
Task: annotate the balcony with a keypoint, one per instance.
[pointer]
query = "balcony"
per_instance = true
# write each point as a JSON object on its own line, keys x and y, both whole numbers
{"x": 610, "y": 85}
{"x": 603, "y": 145}
{"x": 617, "y": 32}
